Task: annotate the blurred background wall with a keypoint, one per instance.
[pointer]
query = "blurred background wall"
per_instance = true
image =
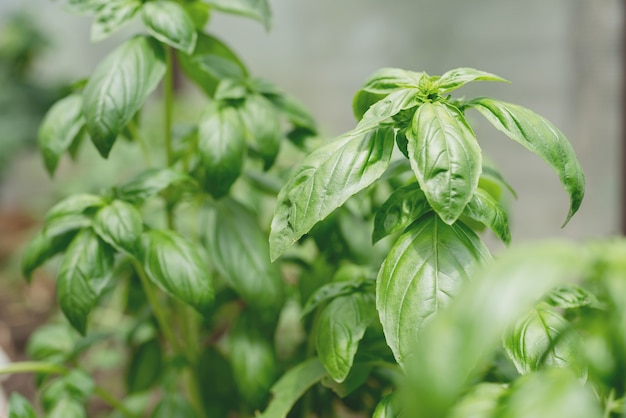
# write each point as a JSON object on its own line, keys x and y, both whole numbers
{"x": 562, "y": 56}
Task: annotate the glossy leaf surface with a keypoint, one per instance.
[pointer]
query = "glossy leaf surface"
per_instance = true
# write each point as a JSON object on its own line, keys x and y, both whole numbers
{"x": 152, "y": 182}
{"x": 222, "y": 147}
{"x": 421, "y": 274}
{"x": 291, "y": 386}
{"x": 168, "y": 22}
{"x": 112, "y": 15}
{"x": 388, "y": 80}
{"x": 485, "y": 209}
{"x": 253, "y": 361}
{"x": 458, "y": 77}
{"x": 481, "y": 402}
{"x": 325, "y": 180}
{"x": 61, "y": 125}
{"x": 541, "y": 137}
{"x": 194, "y": 66}
{"x": 175, "y": 266}
{"x": 262, "y": 123}
{"x": 543, "y": 338}
{"x": 445, "y": 157}
{"x": 255, "y": 9}
{"x": 464, "y": 335}
{"x": 403, "y": 206}
{"x": 240, "y": 252}
{"x": 120, "y": 225}
{"x": 341, "y": 326}
{"x": 118, "y": 88}
{"x": 551, "y": 393}
{"x": 86, "y": 268}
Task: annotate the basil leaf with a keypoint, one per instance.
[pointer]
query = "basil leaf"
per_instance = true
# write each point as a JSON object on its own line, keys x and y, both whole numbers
{"x": 67, "y": 407}
{"x": 112, "y": 15}
{"x": 550, "y": 393}
{"x": 152, "y": 182}
{"x": 291, "y": 386}
{"x": 168, "y": 22}
{"x": 387, "y": 407}
{"x": 341, "y": 327}
{"x": 325, "y": 180}
{"x": 52, "y": 342}
{"x": 386, "y": 108}
{"x": 145, "y": 366}
{"x": 239, "y": 250}
{"x": 120, "y": 225}
{"x": 481, "y": 402}
{"x": 543, "y": 338}
{"x": 255, "y": 9}
{"x": 173, "y": 405}
{"x": 263, "y": 125}
{"x": 19, "y": 407}
{"x": 253, "y": 361}
{"x": 85, "y": 271}
{"x": 403, "y": 206}
{"x": 330, "y": 291}
{"x": 42, "y": 247}
{"x": 118, "y": 88}
{"x": 83, "y": 6}
{"x": 572, "y": 296}
{"x": 468, "y": 330}
{"x": 445, "y": 157}
{"x": 221, "y": 68}
{"x": 485, "y": 209}
{"x": 541, "y": 137}
{"x": 61, "y": 125}
{"x": 210, "y": 52}
{"x": 458, "y": 77}
{"x": 230, "y": 89}
{"x": 76, "y": 204}
{"x": 222, "y": 147}
{"x": 423, "y": 271}
{"x": 388, "y": 80}
{"x": 175, "y": 266}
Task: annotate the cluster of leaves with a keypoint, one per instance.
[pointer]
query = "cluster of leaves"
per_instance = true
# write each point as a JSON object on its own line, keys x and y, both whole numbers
{"x": 293, "y": 330}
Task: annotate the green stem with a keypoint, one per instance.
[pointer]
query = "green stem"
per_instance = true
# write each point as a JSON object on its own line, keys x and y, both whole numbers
{"x": 159, "y": 314}
{"x": 168, "y": 97}
{"x": 49, "y": 368}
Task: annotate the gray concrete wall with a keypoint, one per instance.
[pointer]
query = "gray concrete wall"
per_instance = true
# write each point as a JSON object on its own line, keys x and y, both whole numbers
{"x": 562, "y": 56}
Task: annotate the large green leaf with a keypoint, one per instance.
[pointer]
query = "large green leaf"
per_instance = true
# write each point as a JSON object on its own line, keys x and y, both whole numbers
{"x": 168, "y": 22}
{"x": 145, "y": 366}
{"x": 485, "y": 209}
{"x": 423, "y": 271}
{"x": 445, "y": 157}
{"x": 61, "y": 125}
{"x": 458, "y": 77}
{"x": 119, "y": 224}
{"x": 340, "y": 328}
{"x": 403, "y": 206}
{"x": 482, "y": 401}
{"x": 222, "y": 147}
{"x": 262, "y": 122}
{"x": 239, "y": 250}
{"x": 217, "y": 53}
{"x": 118, "y": 88}
{"x": 112, "y": 15}
{"x": 19, "y": 407}
{"x": 455, "y": 345}
{"x": 255, "y": 9}
{"x": 85, "y": 271}
{"x": 291, "y": 386}
{"x": 67, "y": 407}
{"x": 541, "y": 137}
{"x": 76, "y": 204}
{"x": 176, "y": 266}
{"x": 42, "y": 247}
{"x": 543, "y": 338}
{"x": 388, "y": 80}
{"x": 325, "y": 180}
{"x": 554, "y": 393}
{"x": 152, "y": 182}
{"x": 331, "y": 291}
{"x": 384, "y": 109}
{"x": 387, "y": 407}
{"x": 253, "y": 360}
